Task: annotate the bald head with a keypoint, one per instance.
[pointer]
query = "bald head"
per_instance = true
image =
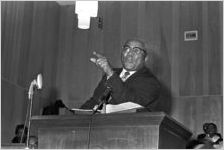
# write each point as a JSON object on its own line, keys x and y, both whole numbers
{"x": 138, "y": 42}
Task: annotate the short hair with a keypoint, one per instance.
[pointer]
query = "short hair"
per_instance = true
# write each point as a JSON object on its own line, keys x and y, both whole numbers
{"x": 34, "y": 137}
{"x": 21, "y": 126}
{"x": 207, "y": 127}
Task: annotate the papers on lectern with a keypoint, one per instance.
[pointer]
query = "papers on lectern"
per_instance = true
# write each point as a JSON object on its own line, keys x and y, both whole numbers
{"x": 123, "y": 107}
{"x": 86, "y": 110}
{"x": 119, "y": 108}
{"x": 82, "y": 111}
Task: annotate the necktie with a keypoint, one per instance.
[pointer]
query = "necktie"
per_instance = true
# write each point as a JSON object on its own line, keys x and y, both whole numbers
{"x": 124, "y": 77}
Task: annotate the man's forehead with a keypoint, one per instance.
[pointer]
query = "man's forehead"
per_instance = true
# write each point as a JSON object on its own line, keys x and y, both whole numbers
{"x": 135, "y": 43}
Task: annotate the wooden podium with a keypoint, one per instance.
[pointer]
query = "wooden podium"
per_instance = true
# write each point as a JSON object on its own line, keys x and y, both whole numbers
{"x": 111, "y": 131}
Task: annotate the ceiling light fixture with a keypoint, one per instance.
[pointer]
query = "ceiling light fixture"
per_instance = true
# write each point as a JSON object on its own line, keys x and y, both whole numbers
{"x": 85, "y": 10}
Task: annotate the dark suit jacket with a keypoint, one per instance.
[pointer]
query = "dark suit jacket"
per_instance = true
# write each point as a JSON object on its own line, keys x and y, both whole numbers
{"x": 142, "y": 88}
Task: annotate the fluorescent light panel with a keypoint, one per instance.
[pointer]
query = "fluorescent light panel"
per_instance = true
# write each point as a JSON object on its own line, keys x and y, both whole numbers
{"x": 85, "y": 10}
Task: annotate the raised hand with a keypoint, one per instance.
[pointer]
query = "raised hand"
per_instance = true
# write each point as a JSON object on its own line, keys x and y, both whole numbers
{"x": 102, "y": 62}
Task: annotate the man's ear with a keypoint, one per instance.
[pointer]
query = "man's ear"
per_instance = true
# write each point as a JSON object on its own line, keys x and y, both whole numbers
{"x": 146, "y": 58}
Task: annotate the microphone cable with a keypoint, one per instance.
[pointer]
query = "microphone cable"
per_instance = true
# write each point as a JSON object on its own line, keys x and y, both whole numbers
{"x": 89, "y": 130}
{"x": 103, "y": 100}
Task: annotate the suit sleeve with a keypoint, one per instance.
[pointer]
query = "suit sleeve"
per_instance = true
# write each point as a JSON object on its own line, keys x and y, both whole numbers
{"x": 143, "y": 90}
{"x": 94, "y": 100}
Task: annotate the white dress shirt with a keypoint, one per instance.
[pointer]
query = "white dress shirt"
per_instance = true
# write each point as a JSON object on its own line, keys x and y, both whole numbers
{"x": 123, "y": 72}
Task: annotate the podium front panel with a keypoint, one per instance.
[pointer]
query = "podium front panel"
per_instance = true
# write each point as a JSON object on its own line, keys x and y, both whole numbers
{"x": 119, "y": 137}
{"x": 66, "y": 138}
{"x": 110, "y": 131}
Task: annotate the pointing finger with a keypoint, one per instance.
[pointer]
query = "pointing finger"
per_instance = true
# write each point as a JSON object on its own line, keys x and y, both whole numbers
{"x": 93, "y": 60}
{"x": 98, "y": 55}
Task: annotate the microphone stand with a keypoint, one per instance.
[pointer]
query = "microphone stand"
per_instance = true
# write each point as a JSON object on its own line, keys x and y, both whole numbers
{"x": 30, "y": 97}
{"x": 99, "y": 106}
{"x": 28, "y": 132}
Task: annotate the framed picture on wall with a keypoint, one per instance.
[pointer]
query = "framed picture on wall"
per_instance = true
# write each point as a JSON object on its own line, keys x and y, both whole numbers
{"x": 190, "y": 35}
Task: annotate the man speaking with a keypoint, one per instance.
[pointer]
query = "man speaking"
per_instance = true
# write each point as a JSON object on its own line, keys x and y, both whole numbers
{"x": 134, "y": 82}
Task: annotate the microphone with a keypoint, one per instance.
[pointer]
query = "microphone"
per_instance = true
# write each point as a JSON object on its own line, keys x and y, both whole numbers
{"x": 39, "y": 81}
{"x": 106, "y": 95}
{"x": 103, "y": 99}
{"x": 36, "y": 82}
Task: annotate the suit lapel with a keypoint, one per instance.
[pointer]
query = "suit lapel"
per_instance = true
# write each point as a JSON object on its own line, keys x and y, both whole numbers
{"x": 137, "y": 73}
{"x": 144, "y": 70}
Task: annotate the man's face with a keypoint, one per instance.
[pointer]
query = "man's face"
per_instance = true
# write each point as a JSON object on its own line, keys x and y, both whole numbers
{"x": 33, "y": 143}
{"x": 132, "y": 56}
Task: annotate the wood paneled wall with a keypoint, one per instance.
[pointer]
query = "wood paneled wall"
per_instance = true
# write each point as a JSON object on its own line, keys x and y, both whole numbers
{"x": 29, "y": 45}
{"x": 43, "y": 37}
{"x": 190, "y": 71}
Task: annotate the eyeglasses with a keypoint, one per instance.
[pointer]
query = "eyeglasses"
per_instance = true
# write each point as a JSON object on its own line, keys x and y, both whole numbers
{"x": 136, "y": 50}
